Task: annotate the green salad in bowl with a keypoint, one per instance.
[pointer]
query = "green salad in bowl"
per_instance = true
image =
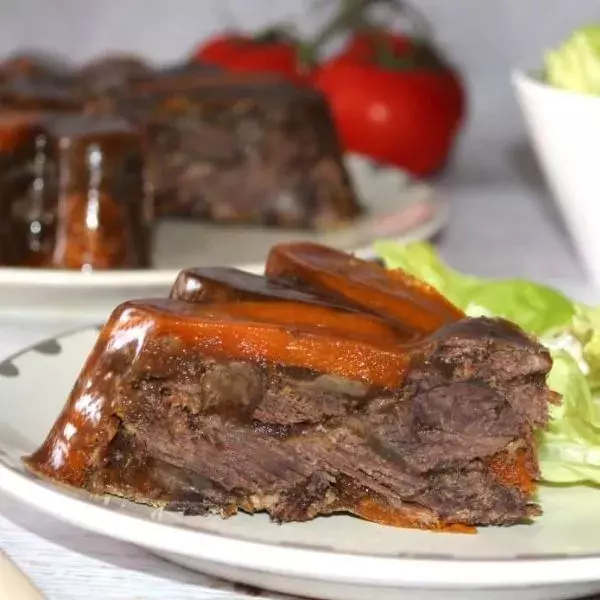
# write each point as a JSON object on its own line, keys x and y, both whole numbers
{"x": 569, "y": 450}
{"x": 575, "y": 64}
{"x": 560, "y": 103}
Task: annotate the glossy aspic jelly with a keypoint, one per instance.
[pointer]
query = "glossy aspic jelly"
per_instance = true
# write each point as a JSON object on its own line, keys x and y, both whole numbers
{"x": 73, "y": 194}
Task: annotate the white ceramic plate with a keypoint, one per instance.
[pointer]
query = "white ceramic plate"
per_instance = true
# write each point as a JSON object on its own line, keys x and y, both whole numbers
{"x": 398, "y": 207}
{"x": 339, "y": 557}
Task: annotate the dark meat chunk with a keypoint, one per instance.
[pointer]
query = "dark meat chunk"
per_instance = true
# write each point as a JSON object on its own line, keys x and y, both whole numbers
{"x": 33, "y": 66}
{"x": 112, "y": 72}
{"x": 40, "y": 95}
{"x": 187, "y": 68}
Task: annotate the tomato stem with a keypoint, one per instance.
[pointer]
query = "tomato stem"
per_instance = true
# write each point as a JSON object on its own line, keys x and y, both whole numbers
{"x": 352, "y": 11}
{"x": 356, "y": 15}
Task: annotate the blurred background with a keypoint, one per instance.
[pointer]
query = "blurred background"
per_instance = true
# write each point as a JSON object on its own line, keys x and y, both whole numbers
{"x": 485, "y": 39}
{"x": 499, "y": 204}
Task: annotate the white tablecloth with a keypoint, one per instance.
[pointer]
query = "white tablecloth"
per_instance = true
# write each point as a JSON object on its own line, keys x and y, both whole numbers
{"x": 496, "y": 229}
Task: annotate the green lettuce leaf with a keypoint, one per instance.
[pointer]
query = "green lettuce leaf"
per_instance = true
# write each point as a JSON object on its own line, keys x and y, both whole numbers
{"x": 586, "y": 329}
{"x": 534, "y": 307}
{"x": 575, "y": 65}
{"x": 570, "y": 448}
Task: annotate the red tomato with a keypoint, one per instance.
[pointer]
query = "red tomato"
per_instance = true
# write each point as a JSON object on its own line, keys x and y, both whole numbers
{"x": 406, "y": 117}
{"x": 221, "y": 49}
{"x": 266, "y": 54}
{"x": 271, "y": 58}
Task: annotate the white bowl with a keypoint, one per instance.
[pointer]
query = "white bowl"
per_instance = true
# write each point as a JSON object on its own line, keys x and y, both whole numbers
{"x": 565, "y": 132}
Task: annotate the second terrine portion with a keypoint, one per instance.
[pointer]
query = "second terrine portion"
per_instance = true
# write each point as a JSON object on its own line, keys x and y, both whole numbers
{"x": 239, "y": 149}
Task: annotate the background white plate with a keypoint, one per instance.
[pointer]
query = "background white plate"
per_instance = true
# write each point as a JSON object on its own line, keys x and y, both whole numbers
{"x": 398, "y": 207}
{"x": 337, "y": 557}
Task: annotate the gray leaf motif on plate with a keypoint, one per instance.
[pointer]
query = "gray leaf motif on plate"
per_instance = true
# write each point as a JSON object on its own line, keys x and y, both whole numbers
{"x": 48, "y": 347}
{"x": 7, "y": 369}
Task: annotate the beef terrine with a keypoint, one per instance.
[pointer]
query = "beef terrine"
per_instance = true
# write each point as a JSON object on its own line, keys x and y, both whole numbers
{"x": 233, "y": 400}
